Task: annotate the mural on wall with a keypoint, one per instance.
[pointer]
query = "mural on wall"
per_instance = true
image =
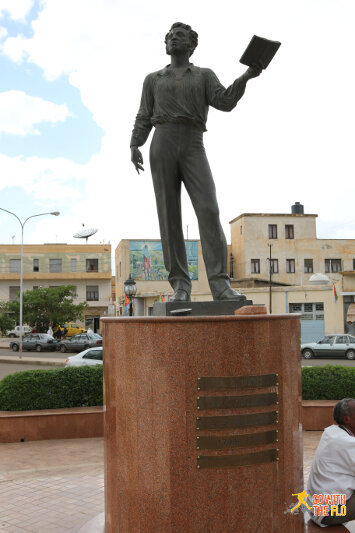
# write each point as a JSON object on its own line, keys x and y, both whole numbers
{"x": 146, "y": 260}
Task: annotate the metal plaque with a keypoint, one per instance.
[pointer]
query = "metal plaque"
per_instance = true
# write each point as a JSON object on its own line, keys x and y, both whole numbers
{"x": 236, "y": 441}
{"x": 228, "y": 461}
{"x": 230, "y": 402}
{"x": 236, "y": 421}
{"x": 239, "y": 382}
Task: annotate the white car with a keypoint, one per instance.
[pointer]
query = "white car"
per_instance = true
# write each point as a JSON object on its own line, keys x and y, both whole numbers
{"x": 92, "y": 356}
{"x": 16, "y": 331}
{"x": 335, "y": 345}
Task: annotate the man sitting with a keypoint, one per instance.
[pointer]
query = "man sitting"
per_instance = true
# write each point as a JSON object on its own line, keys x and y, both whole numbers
{"x": 333, "y": 467}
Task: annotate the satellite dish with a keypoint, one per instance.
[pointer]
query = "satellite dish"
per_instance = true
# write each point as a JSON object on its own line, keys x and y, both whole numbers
{"x": 85, "y": 233}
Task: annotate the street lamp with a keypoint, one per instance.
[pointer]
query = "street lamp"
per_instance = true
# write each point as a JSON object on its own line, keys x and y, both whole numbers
{"x": 130, "y": 289}
{"x": 55, "y": 213}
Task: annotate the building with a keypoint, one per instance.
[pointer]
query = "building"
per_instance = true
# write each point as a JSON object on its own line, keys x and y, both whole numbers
{"x": 86, "y": 266}
{"x": 306, "y": 272}
{"x": 143, "y": 260}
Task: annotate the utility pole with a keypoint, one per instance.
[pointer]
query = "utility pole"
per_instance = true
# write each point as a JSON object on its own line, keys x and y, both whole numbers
{"x": 270, "y": 274}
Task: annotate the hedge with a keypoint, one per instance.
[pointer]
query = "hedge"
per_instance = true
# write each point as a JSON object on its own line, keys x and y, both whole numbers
{"x": 81, "y": 387}
{"x": 328, "y": 382}
{"x": 52, "y": 389}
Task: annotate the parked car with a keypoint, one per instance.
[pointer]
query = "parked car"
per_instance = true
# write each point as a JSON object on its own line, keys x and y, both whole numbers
{"x": 92, "y": 356}
{"x": 79, "y": 343}
{"x": 16, "y": 331}
{"x": 71, "y": 329}
{"x": 35, "y": 341}
{"x": 337, "y": 345}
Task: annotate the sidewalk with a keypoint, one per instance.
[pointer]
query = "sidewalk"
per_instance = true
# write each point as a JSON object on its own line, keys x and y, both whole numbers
{"x": 57, "y": 486}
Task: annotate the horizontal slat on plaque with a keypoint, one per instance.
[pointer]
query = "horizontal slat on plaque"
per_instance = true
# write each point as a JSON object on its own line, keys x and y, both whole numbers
{"x": 236, "y": 421}
{"x": 236, "y": 441}
{"x": 228, "y": 461}
{"x": 238, "y": 382}
{"x": 230, "y": 402}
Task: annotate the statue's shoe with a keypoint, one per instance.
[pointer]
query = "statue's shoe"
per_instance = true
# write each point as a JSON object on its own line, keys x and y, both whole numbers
{"x": 180, "y": 295}
{"x": 230, "y": 294}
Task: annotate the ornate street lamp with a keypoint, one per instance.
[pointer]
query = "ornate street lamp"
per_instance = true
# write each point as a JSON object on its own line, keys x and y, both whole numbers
{"x": 130, "y": 289}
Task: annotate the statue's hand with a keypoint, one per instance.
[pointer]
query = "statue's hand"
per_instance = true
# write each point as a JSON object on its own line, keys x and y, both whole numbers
{"x": 253, "y": 72}
{"x": 137, "y": 158}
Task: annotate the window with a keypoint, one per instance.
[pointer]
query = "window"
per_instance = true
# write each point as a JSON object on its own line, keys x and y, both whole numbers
{"x": 93, "y": 354}
{"x": 272, "y": 231}
{"x": 35, "y": 287}
{"x": 36, "y": 265}
{"x": 342, "y": 339}
{"x": 289, "y": 231}
{"x": 14, "y": 294}
{"x": 332, "y": 265}
{"x": 92, "y": 265}
{"x": 55, "y": 265}
{"x": 92, "y": 293}
{"x": 255, "y": 266}
{"x": 353, "y": 264}
{"x": 308, "y": 266}
{"x": 274, "y": 265}
{"x": 290, "y": 266}
{"x": 73, "y": 265}
{"x": 15, "y": 265}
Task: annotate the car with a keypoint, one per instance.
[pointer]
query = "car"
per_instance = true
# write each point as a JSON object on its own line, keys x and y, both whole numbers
{"x": 35, "y": 341}
{"x": 92, "y": 356}
{"x": 71, "y": 327}
{"x": 16, "y": 331}
{"x": 80, "y": 342}
{"x": 335, "y": 345}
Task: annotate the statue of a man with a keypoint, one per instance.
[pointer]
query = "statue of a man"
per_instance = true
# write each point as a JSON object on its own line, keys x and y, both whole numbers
{"x": 175, "y": 100}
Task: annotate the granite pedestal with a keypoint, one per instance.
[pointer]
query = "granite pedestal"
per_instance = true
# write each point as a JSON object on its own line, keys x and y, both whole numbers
{"x": 202, "y": 424}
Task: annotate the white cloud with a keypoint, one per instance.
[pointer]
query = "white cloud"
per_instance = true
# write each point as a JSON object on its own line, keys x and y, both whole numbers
{"x": 19, "y": 113}
{"x": 3, "y": 33}
{"x": 16, "y": 9}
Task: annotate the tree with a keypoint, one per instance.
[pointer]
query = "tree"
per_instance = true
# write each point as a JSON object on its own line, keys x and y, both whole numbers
{"x": 6, "y": 322}
{"x": 44, "y": 306}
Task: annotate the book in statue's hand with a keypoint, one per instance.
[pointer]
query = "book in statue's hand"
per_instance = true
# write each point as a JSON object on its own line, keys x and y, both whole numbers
{"x": 259, "y": 52}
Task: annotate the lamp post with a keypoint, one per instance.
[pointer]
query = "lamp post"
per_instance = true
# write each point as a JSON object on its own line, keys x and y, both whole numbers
{"x": 55, "y": 213}
{"x": 130, "y": 289}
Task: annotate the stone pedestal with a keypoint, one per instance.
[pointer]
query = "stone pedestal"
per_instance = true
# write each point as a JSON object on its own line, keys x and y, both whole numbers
{"x": 202, "y": 424}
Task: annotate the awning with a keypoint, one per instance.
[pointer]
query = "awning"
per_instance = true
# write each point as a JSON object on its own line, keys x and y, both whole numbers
{"x": 350, "y": 316}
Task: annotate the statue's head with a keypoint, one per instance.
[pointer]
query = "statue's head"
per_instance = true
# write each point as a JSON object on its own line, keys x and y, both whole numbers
{"x": 180, "y": 38}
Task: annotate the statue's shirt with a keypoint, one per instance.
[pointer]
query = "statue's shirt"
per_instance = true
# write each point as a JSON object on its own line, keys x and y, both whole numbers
{"x": 182, "y": 96}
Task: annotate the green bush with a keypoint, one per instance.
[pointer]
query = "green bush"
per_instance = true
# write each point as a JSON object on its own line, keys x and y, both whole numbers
{"x": 328, "y": 382}
{"x": 52, "y": 389}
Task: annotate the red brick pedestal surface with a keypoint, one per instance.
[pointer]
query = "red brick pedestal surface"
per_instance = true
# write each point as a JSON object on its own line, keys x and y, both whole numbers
{"x": 187, "y": 453}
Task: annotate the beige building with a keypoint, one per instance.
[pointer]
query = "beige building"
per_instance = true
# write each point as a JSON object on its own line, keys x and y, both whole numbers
{"x": 305, "y": 270}
{"x": 296, "y": 252}
{"x": 86, "y": 266}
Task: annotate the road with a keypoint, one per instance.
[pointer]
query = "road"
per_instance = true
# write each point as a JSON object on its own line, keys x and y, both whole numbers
{"x": 35, "y": 355}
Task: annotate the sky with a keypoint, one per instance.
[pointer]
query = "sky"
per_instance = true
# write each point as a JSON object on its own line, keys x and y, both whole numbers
{"x": 70, "y": 85}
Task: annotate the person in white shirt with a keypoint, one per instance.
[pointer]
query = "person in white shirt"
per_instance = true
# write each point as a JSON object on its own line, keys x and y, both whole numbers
{"x": 333, "y": 467}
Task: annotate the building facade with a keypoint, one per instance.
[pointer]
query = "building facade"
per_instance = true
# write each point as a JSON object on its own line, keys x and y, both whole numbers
{"x": 311, "y": 276}
{"x": 143, "y": 260}
{"x": 86, "y": 266}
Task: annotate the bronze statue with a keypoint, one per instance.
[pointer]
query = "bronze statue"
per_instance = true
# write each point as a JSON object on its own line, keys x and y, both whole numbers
{"x": 176, "y": 100}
